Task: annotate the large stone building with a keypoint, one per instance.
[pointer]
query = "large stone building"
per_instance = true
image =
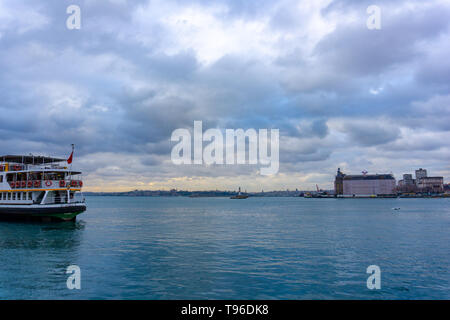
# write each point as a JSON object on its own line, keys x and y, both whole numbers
{"x": 422, "y": 183}
{"x": 407, "y": 180}
{"x": 407, "y": 184}
{"x": 430, "y": 184}
{"x": 365, "y": 185}
{"x": 339, "y": 183}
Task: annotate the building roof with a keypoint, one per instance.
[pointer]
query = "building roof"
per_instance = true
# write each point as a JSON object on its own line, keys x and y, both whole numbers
{"x": 426, "y": 178}
{"x": 370, "y": 177}
{"x": 29, "y": 159}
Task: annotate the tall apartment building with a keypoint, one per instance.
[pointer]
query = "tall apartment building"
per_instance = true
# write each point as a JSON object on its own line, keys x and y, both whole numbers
{"x": 421, "y": 173}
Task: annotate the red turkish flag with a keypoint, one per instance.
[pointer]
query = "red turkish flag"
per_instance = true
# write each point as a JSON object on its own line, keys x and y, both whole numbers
{"x": 69, "y": 161}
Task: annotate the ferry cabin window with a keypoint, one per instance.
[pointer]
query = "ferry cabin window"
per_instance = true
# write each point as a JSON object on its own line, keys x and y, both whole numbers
{"x": 40, "y": 197}
{"x": 14, "y": 177}
{"x": 60, "y": 176}
{"x": 36, "y": 176}
{"x": 54, "y": 176}
{"x": 1, "y": 178}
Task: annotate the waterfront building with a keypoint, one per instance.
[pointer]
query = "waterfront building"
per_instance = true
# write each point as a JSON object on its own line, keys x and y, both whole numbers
{"x": 422, "y": 183}
{"x": 365, "y": 185}
{"x": 408, "y": 180}
{"x": 421, "y": 173}
{"x": 447, "y": 188}
{"x": 407, "y": 184}
{"x": 339, "y": 183}
{"x": 431, "y": 184}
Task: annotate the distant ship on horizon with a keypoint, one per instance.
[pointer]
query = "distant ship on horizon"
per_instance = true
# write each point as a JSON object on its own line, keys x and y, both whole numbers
{"x": 239, "y": 195}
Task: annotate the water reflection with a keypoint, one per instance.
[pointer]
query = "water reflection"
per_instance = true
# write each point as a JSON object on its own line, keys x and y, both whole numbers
{"x": 35, "y": 257}
{"x": 33, "y": 235}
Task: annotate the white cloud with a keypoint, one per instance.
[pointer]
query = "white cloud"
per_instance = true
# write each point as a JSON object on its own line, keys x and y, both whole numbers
{"x": 21, "y": 18}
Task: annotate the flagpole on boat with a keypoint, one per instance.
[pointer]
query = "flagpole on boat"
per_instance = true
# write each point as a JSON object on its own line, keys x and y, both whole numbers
{"x": 71, "y": 157}
{"x": 70, "y": 173}
{"x": 71, "y": 160}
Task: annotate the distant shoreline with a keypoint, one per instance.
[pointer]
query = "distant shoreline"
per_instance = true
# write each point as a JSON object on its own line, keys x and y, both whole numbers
{"x": 225, "y": 194}
{"x": 195, "y": 194}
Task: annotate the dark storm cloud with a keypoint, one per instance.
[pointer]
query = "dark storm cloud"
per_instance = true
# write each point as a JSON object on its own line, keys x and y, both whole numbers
{"x": 371, "y": 134}
{"x": 153, "y": 118}
{"x": 361, "y": 51}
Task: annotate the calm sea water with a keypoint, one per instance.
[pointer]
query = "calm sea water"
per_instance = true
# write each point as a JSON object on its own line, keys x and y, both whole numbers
{"x": 217, "y": 248}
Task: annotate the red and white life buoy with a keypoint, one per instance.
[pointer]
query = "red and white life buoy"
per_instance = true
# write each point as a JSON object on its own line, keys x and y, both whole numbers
{"x": 48, "y": 183}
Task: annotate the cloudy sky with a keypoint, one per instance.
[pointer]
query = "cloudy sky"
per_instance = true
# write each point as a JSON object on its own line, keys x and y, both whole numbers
{"x": 340, "y": 94}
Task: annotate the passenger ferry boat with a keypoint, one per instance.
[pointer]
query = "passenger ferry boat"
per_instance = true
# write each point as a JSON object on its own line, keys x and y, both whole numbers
{"x": 39, "y": 187}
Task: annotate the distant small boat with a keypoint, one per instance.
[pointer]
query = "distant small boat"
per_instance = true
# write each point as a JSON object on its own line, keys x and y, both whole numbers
{"x": 239, "y": 195}
{"x": 395, "y": 208}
